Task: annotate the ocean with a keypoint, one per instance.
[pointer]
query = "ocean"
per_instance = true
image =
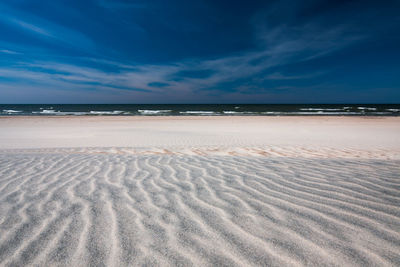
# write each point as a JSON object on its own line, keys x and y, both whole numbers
{"x": 200, "y": 110}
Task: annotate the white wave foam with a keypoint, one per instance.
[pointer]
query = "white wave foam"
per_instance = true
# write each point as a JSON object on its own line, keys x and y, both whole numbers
{"x": 322, "y": 109}
{"x": 60, "y": 113}
{"x": 11, "y": 111}
{"x": 72, "y": 113}
{"x": 197, "y": 112}
{"x": 115, "y": 112}
{"x": 232, "y": 112}
{"x": 151, "y": 111}
{"x": 320, "y": 112}
{"x": 241, "y": 112}
{"x": 366, "y": 108}
{"x": 48, "y": 111}
{"x": 393, "y": 109}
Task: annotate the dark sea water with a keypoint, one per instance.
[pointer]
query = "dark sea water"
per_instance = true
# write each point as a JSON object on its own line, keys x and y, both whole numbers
{"x": 200, "y": 110}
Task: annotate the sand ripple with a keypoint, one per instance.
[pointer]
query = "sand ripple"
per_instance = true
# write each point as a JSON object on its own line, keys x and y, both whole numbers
{"x": 110, "y": 209}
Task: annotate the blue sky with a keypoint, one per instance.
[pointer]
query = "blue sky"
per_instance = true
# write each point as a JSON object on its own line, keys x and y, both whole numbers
{"x": 220, "y": 51}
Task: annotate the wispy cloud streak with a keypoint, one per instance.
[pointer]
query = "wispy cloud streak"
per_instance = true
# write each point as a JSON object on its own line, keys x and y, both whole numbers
{"x": 221, "y": 70}
{"x": 250, "y": 71}
{"x": 41, "y": 28}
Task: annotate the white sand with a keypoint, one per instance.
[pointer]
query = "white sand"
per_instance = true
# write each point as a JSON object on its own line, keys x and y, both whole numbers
{"x": 203, "y": 191}
{"x": 335, "y": 132}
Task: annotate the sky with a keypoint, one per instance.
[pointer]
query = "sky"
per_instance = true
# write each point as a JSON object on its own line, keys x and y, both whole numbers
{"x": 199, "y": 51}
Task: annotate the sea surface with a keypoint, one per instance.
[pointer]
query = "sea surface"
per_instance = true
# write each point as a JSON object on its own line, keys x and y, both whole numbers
{"x": 199, "y": 110}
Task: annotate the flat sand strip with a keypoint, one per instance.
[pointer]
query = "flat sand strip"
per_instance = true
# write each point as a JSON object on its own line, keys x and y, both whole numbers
{"x": 248, "y": 131}
{"x": 66, "y": 209}
{"x": 265, "y": 151}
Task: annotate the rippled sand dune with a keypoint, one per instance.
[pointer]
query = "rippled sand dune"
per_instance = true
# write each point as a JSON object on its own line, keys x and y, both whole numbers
{"x": 95, "y": 208}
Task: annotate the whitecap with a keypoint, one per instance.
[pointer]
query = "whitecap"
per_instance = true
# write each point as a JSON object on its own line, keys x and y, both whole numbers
{"x": 11, "y": 111}
{"x": 321, "y": 109}
{"x": 114, "y": 112}
{"x": 366, "y": 108}
{"x": 152, "y": 111}
{"x": 197, "y": 112}
{"x": 48, "y": 111}
{"x": 232, "y": 112}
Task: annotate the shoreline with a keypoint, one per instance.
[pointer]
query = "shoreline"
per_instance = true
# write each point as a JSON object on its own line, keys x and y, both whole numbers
{"x": 200, "y": 116}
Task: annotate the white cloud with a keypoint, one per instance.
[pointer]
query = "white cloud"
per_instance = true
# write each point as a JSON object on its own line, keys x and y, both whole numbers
{"x": 29, "y": 27}
{"x": 10, "y": 52}
{"x": 44, "y": 29}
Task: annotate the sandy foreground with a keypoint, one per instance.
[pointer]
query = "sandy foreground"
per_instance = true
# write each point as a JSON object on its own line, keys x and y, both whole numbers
{"x": 199, "y": 191}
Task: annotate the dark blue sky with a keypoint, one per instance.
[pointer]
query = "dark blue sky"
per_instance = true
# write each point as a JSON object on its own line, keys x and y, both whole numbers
{"x": 216, "y": 51}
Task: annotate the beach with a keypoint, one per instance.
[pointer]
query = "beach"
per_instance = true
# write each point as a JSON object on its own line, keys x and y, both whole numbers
{"x": 199, "y": 191}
